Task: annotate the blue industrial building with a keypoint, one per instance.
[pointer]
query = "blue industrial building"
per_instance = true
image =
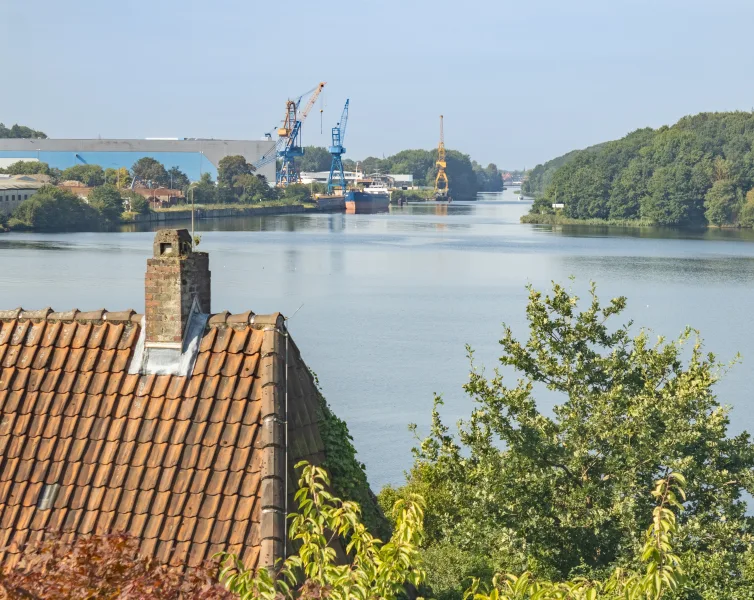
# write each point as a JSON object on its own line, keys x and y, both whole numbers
{"x": 192, "y": 156}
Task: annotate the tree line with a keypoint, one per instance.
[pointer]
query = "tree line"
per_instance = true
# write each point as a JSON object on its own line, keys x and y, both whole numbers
{"x": 55, "y": 208}
{"x": 467, "y": 177}
{"x": 20, "y": 131}
{"x": 697, "y": 172}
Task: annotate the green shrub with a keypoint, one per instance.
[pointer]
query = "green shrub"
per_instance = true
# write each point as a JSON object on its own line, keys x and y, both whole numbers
{"x": 53, "y": 209}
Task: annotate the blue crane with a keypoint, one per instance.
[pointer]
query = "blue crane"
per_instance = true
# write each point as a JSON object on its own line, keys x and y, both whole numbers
{"x": 288, "y": 146}
{"x": 337, "y": 150}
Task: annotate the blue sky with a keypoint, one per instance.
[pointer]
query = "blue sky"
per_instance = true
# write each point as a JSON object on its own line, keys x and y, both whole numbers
{"x": 519, "y": 82}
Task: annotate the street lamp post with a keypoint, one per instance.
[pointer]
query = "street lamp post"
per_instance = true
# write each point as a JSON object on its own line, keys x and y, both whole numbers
{"x": 191, "y": 189}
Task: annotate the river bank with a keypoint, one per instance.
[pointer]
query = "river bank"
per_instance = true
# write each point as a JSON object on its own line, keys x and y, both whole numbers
{"x": 560, "y": 219}
{"x": 201, "y": 212}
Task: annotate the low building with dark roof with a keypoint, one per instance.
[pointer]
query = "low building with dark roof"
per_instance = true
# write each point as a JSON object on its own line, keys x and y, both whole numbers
{"x": 178, "y": 426}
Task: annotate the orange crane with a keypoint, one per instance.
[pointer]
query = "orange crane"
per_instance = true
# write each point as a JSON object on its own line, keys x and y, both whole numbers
{"x": 288, "y": 146}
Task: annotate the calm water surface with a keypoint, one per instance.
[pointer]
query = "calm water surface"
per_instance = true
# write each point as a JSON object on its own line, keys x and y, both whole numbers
{"x": 386, "y": 303}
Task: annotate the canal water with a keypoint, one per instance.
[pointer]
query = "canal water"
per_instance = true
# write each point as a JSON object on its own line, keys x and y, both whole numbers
{"x": 383, "y": 305}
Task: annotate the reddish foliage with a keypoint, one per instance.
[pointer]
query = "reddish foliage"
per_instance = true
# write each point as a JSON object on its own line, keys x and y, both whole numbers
{"x": 105, "y": 567}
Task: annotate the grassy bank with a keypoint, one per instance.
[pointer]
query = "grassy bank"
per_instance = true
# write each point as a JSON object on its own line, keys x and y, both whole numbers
{"x": 560, "y": 219}
{"x": 236, "y": 205}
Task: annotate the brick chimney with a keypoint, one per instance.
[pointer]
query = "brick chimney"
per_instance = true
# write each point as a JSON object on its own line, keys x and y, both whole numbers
{"x": 176, "y": 276}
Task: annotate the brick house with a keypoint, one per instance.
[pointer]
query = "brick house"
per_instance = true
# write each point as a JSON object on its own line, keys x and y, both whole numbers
{"x": 178, "y": 426}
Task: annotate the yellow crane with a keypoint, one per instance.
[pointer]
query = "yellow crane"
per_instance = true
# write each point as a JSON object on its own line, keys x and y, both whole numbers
{"x": 442, "y": 176}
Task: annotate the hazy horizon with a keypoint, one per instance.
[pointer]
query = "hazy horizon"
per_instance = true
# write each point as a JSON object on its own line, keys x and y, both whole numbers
{"x": 519, "y": 83}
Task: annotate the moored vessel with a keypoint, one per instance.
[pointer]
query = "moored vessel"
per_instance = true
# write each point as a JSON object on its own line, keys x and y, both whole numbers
{"x": 369, "y": 200}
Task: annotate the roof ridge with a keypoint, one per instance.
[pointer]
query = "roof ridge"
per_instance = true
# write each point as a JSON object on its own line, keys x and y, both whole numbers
{"x": 216, "y": 319}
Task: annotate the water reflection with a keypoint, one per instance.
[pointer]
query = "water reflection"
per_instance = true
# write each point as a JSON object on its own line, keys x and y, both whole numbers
{"x": 390, "y": 300}
{"x": 648, "y": 232}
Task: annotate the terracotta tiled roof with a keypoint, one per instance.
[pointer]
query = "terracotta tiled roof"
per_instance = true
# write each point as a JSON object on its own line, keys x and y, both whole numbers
{"x": 191, "y": 465}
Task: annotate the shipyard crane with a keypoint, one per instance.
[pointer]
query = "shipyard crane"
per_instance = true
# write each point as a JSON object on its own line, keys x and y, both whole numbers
{"x": 337, "y": 150}
{"x": 442, "y": 176}
{"x": 288, "y": 145}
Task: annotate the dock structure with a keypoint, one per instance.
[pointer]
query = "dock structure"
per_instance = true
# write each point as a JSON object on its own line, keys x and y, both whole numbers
{"x": 193, "y": 156}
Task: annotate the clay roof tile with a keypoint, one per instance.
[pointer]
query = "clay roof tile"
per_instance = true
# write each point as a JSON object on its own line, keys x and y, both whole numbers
{"x": 175, "y": 460}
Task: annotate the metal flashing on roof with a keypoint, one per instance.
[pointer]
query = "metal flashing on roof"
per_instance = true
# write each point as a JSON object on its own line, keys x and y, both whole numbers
{"x": 165, "y": 359}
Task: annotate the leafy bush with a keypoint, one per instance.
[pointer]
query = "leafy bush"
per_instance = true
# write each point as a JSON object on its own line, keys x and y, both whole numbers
{"x": 108, "y": 201}
{"x": 27, "y": 167}
{"x": 563, "y": 495}
{"x": 137, "y": 203}
{"x": 105, "y": 567}
{"x": 54, "y": 209}
{"x": 373, "y": 569}
{"x": 89, "y": 175}
{"x": 297, "y": 193}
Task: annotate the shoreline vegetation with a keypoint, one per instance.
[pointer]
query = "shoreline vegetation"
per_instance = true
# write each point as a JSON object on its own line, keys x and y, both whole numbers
{"x": 697, "y": 173}
{"x": 557, "y": 218}
{"x": 238, "y": 189}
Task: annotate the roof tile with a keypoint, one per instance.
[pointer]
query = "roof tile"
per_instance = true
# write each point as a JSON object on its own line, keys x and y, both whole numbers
{"x": 11, "y": 356}
{"x": 160, "y": 385}
{"x": 105, "y": 361}
{"x": 42, "y": 357}
{"x": 216, "y": 361}
{"x": 114, "y": 333}
{"x": 26, "y": 357}
{"x": 208, "y": 340}
{"x": 210, "y": 386}
{"x": 82, "y": 335}
{"x": 6, "y": 329}
{"x": 129, "y": 384}
{"x": 238, "y": 343}
{"x": 120, "y": 362}
{"x": 170, "y": 458}
{"x": 249, "y": 367}
{"x": 254, "y": 345}
{"x": 19, "y": 333}
{"x": 98, "y": 335}
{"x": 129, "y": 337}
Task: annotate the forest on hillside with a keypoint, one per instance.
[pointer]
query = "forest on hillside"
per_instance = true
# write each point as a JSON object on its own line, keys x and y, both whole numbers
{"x": 697, "y": 172}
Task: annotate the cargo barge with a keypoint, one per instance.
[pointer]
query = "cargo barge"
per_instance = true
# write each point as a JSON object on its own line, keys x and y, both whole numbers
{"x": 369, "y": 200}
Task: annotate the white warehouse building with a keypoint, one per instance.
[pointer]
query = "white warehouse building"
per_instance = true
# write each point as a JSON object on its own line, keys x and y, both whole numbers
{"x": 15, "y": 189}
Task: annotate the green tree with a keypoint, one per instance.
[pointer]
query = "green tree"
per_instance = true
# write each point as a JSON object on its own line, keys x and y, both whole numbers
{"x": 254, "y": 188}
{"x": 662, "y": 576}
{"x": 89, "y": 175}
{"x": 20, "y": 131}
{"x": 120, "y": 178}
{"x": 374, "y": 569}
{"x": 298, "y": 193}
{"x": 315, "y": 159}
{"x": 675, "y": 195}
{"x": 519, "y": 490}
{"x": 108, "y": 201}
{"x": 231, "y": 167}
{"x": 27, "y": 167}
{"x": 661, "y": 175}
{"x": 722, "y": 202}
{"x": 148, "y": 169}
{"x": 53, "y": 209}
{"x": 136, "y": 202}
{"x": 177, "y": 179}
{"x": 489, "y": 178}
{"x": 204, "y": 191}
